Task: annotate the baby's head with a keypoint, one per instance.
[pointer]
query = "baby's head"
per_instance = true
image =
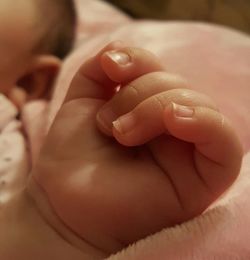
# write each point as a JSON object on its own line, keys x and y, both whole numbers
{"x": 35, "y": 35}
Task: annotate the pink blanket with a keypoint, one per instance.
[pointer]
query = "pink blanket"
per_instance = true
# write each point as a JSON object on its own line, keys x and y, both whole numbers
{"x": 216, "y": 61}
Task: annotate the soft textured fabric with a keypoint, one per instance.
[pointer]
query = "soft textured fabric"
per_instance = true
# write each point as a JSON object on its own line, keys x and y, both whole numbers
{"x": 14, "y": 158}
{"x": 216, "y": 61}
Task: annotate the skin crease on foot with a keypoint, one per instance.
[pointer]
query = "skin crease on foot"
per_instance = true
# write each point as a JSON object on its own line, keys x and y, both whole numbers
{"x": 119, "y": 166}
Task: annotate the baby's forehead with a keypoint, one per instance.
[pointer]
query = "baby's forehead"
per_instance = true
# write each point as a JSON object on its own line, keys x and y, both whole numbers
{"x": 17, "y": 19}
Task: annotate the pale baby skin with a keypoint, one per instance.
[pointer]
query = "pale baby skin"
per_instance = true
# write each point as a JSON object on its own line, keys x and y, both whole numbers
{"x": 118, "y": 166}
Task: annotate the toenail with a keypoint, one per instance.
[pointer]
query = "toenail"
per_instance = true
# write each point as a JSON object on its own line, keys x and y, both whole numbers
{"x": 121, "y": 58}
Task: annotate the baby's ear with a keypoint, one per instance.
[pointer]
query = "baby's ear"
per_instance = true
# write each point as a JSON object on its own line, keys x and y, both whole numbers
{"x": 38, "y": 80}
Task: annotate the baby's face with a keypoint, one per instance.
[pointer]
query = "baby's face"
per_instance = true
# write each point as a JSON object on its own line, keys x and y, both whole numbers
{"x": 17, "y": 36}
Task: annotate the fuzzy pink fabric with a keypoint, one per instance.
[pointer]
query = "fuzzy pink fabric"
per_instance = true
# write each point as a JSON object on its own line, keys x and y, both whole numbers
{"x": 98, "y": 17}
{"x": 216, "y": 61}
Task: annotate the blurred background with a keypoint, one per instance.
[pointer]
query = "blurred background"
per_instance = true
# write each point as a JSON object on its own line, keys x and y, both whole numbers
{"x": 232, "y": 13}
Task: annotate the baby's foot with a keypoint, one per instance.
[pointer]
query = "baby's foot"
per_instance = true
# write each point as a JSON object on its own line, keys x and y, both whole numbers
{"x": 118, "y": 167}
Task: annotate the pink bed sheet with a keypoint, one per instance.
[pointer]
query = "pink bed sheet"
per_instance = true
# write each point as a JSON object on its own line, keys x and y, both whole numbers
{"x": 216, "y": 61}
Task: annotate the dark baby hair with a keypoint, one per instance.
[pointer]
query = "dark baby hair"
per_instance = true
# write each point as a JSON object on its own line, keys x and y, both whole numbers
{"x": 59, "y": 17}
